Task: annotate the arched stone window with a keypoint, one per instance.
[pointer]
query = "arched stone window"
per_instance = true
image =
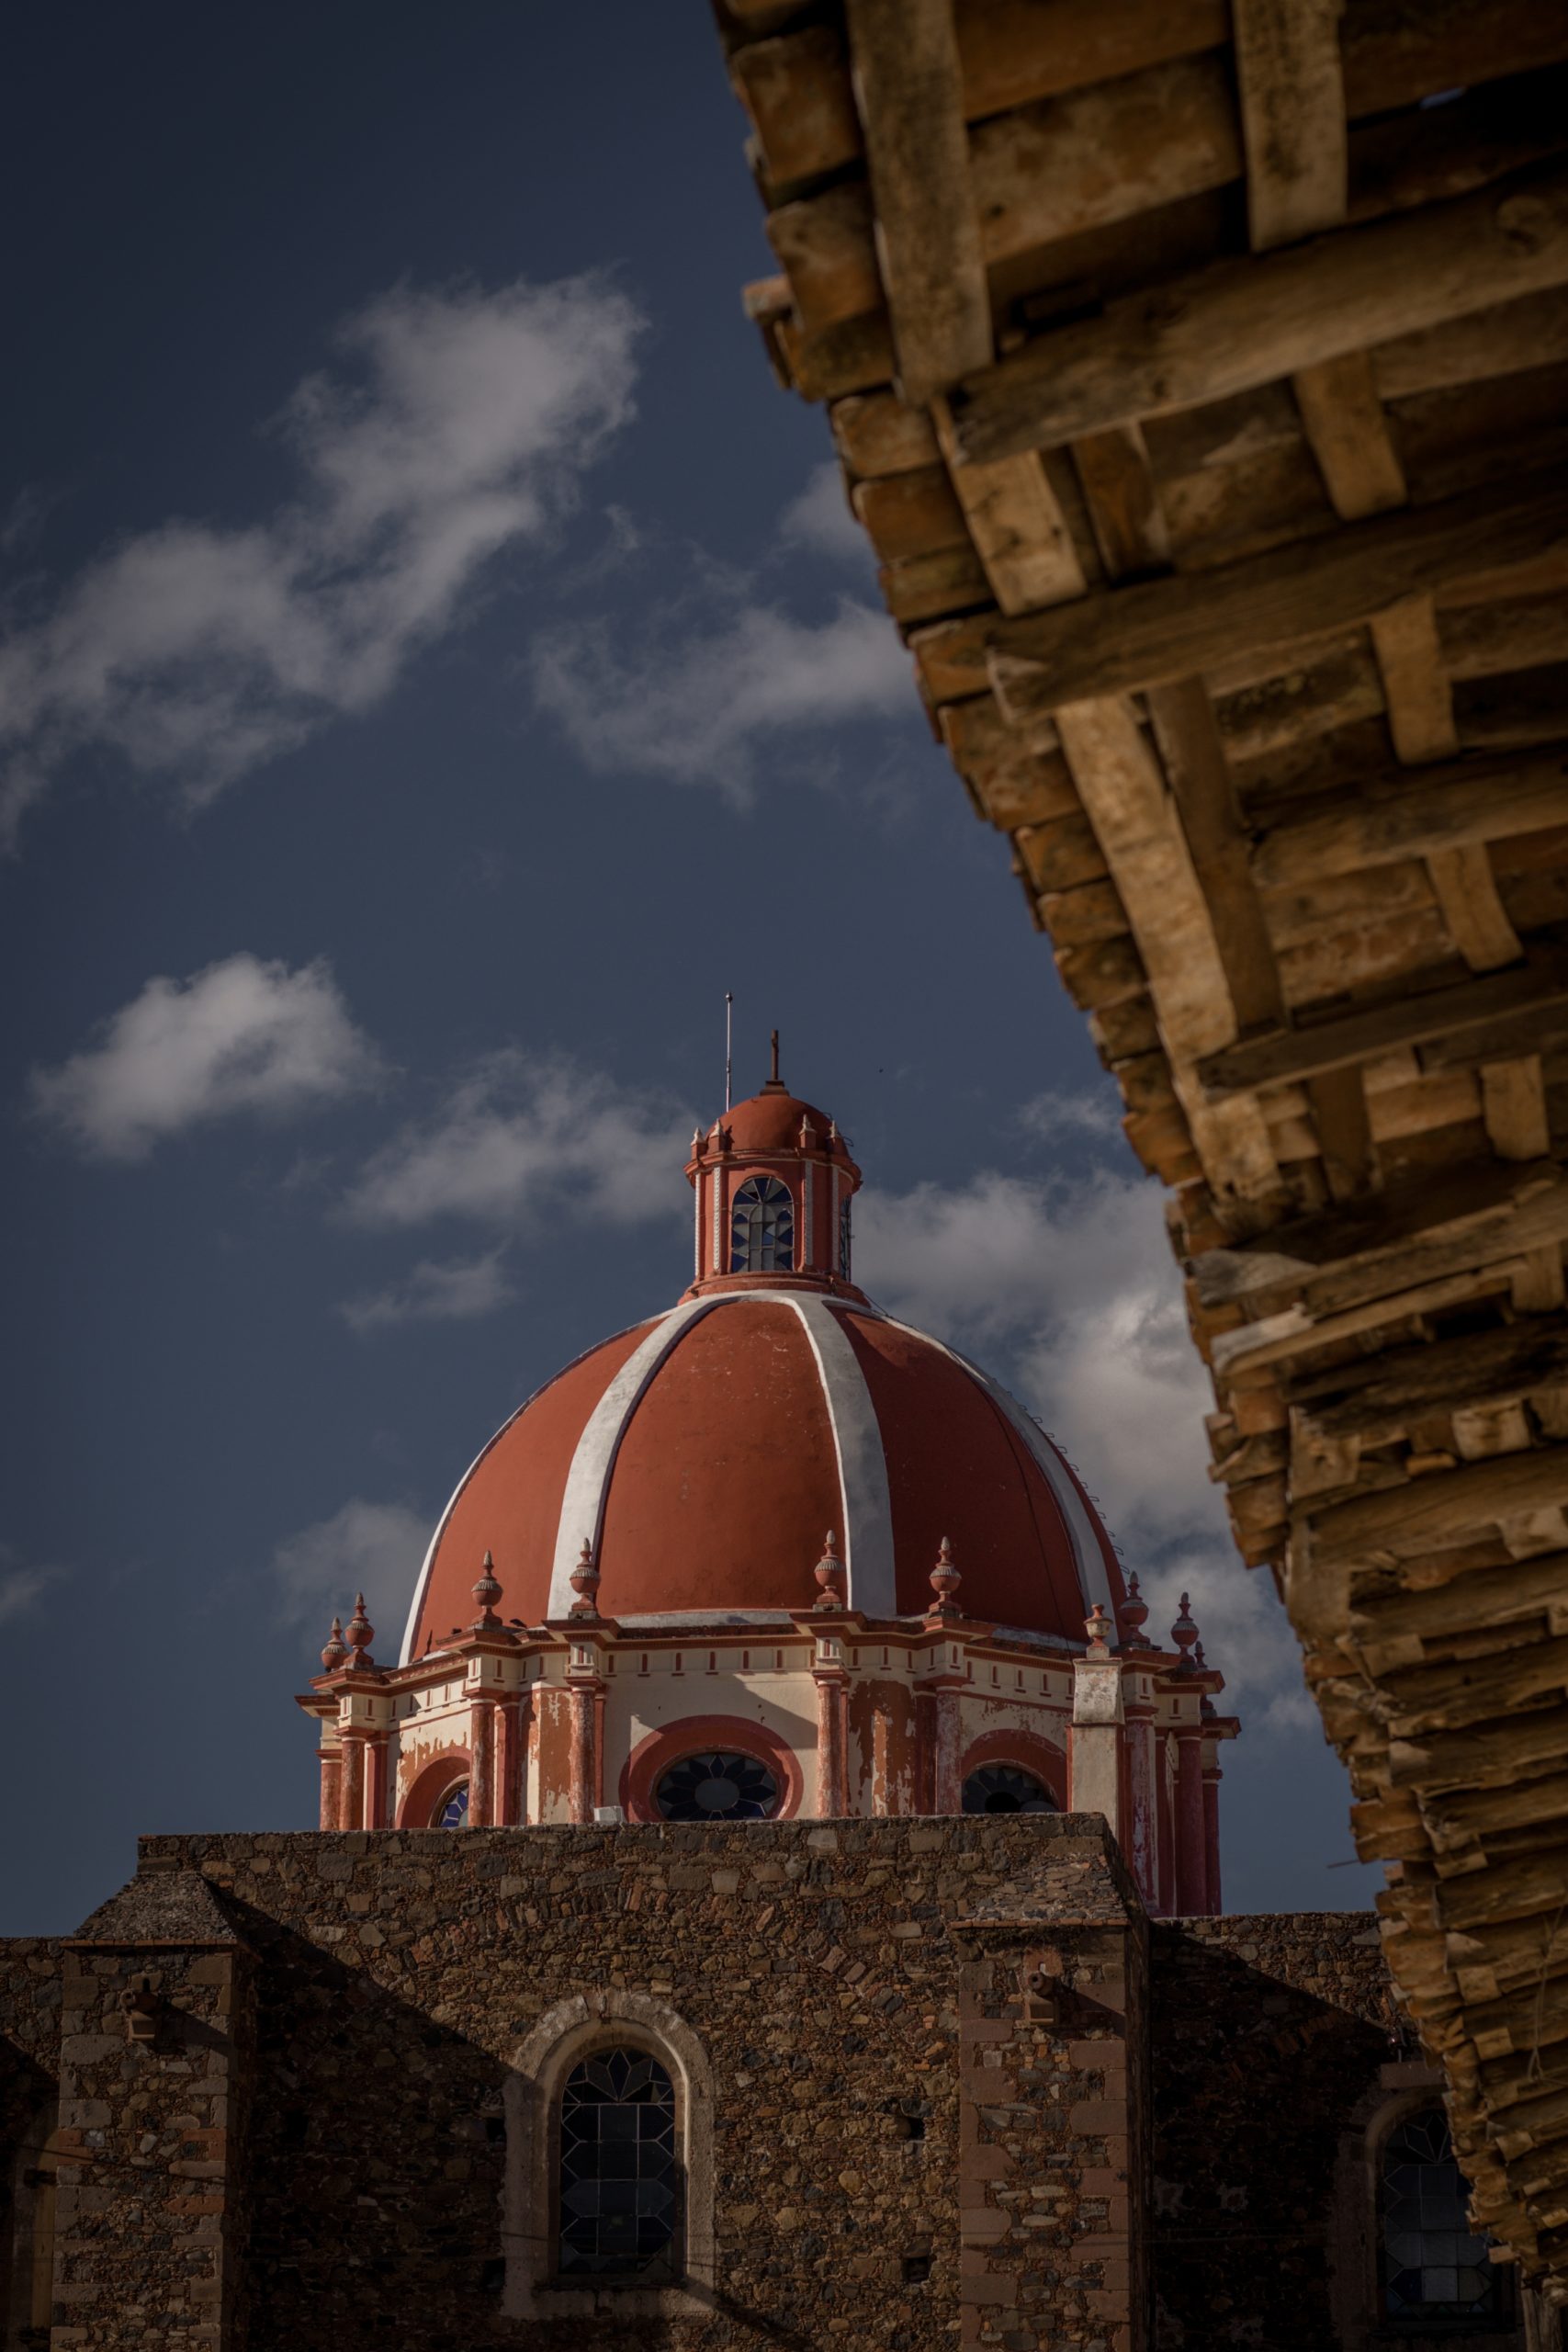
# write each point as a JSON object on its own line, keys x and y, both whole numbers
{"x": 618, "y": 2191}
{"x": 1406, "y": 2266}
{"x": 1006, "y": 1788}
{"x": 761, "y": 1227}
{"x": 1433, "y": 2269}
{"x": 609, "y": 2162}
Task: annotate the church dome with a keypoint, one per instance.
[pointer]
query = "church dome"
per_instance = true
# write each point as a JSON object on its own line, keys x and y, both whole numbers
{"x": 701, "y": 1454}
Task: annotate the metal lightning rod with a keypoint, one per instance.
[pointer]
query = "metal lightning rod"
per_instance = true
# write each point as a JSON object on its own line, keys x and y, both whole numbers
{"x": 729, "y": 1042}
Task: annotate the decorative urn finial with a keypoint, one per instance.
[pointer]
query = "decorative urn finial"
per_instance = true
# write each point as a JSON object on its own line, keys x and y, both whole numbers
{"x": 487, "y": 1593}
{"x": 1098, "y": 1626}
{"x": 829, "y": 1574}
{"x": 585, "y": 1583}
{"x": 360, "y": 1633}
{"x": 336, "y": 1649}
{"x": 1184, "y": 1634}
{"x": 945, "y": 1581}
{"x": 1133, "y": 1615}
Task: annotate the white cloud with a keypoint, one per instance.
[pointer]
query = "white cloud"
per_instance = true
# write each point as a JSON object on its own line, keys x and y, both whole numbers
{"x": 1067, "y": 1290}
{"x": 21, "y": 1586}
{"x": 716, "y": 682}
{"x": 1054, "y": 1114}
{"x": 374, "y": 1548}
{"x": 457, "y": 425}
{"x": 452, "y": 1289}
{"x": 518, "y": 1134}
{"x": 820, "y": 519}
{"x": 241, "y": 1036}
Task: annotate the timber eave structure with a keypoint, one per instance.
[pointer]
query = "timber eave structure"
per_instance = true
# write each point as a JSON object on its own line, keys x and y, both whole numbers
{"x": 1200, "y": 374}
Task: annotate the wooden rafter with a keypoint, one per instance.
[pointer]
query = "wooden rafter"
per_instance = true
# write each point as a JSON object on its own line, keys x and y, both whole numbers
{"x": 1202, "y": 385}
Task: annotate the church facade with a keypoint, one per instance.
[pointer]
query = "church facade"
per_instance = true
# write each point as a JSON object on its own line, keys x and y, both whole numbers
{"x": 773, "y": 1899}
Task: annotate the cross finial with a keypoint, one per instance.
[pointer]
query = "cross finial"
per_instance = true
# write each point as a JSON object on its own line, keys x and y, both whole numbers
{"x": 773, "y": 1078}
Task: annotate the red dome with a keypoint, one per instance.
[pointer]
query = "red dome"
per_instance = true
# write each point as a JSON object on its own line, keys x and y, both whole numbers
{"x": 770, "y": 1122}
{"x": 705, "y": 1453}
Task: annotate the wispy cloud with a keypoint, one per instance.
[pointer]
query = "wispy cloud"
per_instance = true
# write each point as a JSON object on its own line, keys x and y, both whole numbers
{"x": 1054, "y": 1114}
{"x": 458, "y": 423}
{"x": 374, "y": 1548}
{"x": 451, "y": 1290}
{"x": 820, "y": 519}
{"x": 241, "y": 1036}
{"x": 710, "y": 685}
{"x": 518, "y": 1134}
{"x": 22, "y": 1583}
{"x": 1067, "y": 1290}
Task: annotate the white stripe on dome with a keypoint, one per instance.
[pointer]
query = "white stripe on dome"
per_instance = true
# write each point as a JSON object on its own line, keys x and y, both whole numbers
{"x": 1094, "y": 1580}
{"x": 867, "y": 1532}
{"x": 588, "y": 1480}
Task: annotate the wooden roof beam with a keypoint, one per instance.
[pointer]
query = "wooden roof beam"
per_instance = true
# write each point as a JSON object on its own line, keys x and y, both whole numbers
{"x": 903, "y": 67}
{"x": 1237, "y": 324}
{"x": 1124, "y": 640}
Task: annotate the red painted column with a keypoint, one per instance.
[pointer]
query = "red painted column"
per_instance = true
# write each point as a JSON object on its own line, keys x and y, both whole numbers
{"x": 947, "y": 1795}
{"x": 376, "y": 1785}
{"x": 351, "y": 1792}
{"x": 508, "y": 1810}
{"x": 1212, "y": 1776}
{"x": 332, "y": 1775}
{"x": 1138, "y": 1827}
{"x": 1165, "y": 1875}
{"x": 832, "y": 1800}
{"x": 1192, "y": 1840}
{"x": 881, "y": 1758}
{"x": 584, "y": 1763}
{"x": 481, "y": 1754}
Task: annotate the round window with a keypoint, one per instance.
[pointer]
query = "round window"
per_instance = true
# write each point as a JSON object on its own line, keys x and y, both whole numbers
{"x": 1006, "y": 1788}
{"x": 717, "y": 1785}
{"x": 452, "y": 1813}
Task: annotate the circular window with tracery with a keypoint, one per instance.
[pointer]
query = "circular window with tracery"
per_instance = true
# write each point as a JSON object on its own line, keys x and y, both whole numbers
{"x": 718, "y": 1784}
{"x": 452, "y": 1813}
{"x": 1006, "y": 1788}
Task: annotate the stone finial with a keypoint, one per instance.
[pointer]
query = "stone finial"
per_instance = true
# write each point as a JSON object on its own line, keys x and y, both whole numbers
{"x": 1184, "y": 1634}
{"x": 807, "y": 1135}
{"x": 336, "y": 1648}
{"x": 696, "y": 1142}
{"x": 1133, "y": 1615}
{"x": 830, "y": 1574}
{"x": 946, "y": 1580}
{"x": 360, "y": 1633}
{"x": 1098, "y": 1628}
{"x": 487, "y": 1593}
{"x": 585, "y": 1583}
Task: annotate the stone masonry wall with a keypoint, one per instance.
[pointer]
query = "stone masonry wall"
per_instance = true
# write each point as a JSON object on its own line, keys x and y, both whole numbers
{"x": 1267, "y": 2034}
{"x": 29, "y": 2067}
{"x": 846, "y": 1981}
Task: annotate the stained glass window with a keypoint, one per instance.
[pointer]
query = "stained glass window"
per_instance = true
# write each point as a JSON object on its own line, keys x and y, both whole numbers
{"x": 1006, "y": 1788}
{"x": 844, "y": 1241}
{"x": 717, "y": 1785}
{"x": 761, "y": 1227}
{"x": 453, "y": 1812}
{"x": 618, "y": 2166}
{"x": 1433, "y": 2265}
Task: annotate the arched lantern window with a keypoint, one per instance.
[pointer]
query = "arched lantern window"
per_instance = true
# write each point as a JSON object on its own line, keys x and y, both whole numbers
{"x": 844, "y": 1239}
{"x": 1432, "y": 2265}
{"x": 1006, "y": 1788}
{"x": 717, "y": 1785}
{"x": 761, "y": 1227}
{"x": 618, "y": 2183}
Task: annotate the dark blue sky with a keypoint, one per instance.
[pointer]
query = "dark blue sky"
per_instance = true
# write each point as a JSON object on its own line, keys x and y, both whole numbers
{"x": 445, "y": 749}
